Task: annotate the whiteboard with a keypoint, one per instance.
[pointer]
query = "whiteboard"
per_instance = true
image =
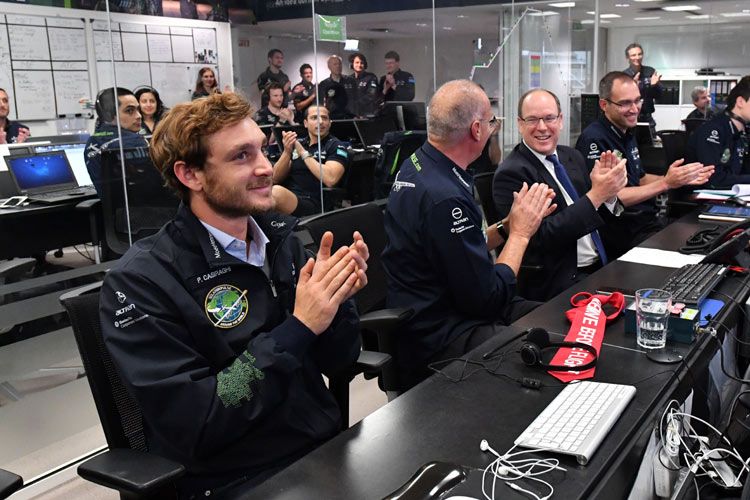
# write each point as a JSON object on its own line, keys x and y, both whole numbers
{"x": 67, "y": 44}
{"x": 129, "y": 75}
{"x": 159, "y": 48}
{"x": 70, "y": 88}
{"x": 34, "y": 97}
{"x": 204, "y": 41}
{"x": 6, "y": 80}
{"x": 102, "y": 46}
{"x": 182, "y": 49}
{"x": 134, "y": 47}
{"x": 28, "y": 42}
{"x": 173, "y": 81}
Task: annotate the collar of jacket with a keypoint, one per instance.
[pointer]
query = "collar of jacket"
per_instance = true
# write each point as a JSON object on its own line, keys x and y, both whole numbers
{"x": 276, "y": 227}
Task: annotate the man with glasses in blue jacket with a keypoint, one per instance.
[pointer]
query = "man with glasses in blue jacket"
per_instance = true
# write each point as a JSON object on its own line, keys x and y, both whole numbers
{"x": 621, "y": 101}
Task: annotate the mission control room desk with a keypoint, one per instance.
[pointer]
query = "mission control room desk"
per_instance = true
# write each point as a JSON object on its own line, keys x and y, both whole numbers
{"x": 441, "y": 420}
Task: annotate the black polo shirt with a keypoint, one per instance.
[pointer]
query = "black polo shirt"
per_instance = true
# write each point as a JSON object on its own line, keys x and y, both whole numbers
{"x": 300, "y": 92}
{"x": 300, "y": 180}
{"x": 333, "y": 96}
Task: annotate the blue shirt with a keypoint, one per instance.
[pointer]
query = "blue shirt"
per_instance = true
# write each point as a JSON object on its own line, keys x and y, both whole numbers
{"x": 720, "y": 143}
{"x": 436, "y": 260}
{"x": 238, "y": 248}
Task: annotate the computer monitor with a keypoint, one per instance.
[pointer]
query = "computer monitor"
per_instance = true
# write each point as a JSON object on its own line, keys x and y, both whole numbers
{"x": 371, "y": 132}
{"x": 409, "y": 115}
{"x": 346, "y": 130}
{"x": 75, "y": 154}
{"x": 731, "y": 252}
{"x": 643, "y": 134}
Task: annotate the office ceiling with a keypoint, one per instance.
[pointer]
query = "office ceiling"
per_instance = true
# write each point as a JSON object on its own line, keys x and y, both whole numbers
{"x": 483, "y": 19}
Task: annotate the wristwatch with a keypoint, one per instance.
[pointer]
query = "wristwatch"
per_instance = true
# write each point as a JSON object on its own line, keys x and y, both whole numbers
{"x": 501, "y": 230}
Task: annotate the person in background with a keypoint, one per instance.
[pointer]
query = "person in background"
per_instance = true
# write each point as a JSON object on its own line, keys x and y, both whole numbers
{"x": 206, "y": 83}
{"x": 273, "y": 74}
{"x": 297, "y": 173}
{"x": 106, "y": 136}
{"x": 274, "y": 113}
{"x": 649, "y": 84}
{"x": 362, "y": 88}
{"x": 303, "y": 94}
{"x": 10, "y": 132}
{"x": 333, "y": 92}
{"x": 396, "y": 84}
{"x": 722, "y": 141}
{"x": 702, "y": 103}
{"x": 151, "y": 107}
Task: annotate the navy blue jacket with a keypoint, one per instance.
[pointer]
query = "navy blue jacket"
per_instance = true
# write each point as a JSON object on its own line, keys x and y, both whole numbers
{"x": 719, "y": 142}
{"x": 229, "y": 384}
{"x": 404, "y": 90}
{"x": 550, "y": 263}
{"x": 436, "y": 259}
{"x": 648, "y": 92}
{"x": 11, "y": 131}
{"x": 105, "y": 139}
{"x": 639, "y": 220}
{"x": 363, "y": 94}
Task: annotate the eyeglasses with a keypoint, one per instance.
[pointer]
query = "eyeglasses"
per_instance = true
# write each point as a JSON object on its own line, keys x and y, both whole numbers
{"x": 533, "y": 121}
{"x": 626, "y": 104}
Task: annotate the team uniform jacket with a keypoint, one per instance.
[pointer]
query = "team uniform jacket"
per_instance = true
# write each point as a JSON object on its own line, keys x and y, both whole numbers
{"x": 264, "y": 117}
{"x": 333, "y": 96}
{"x": 300, "y": 92}
{"x": 229, "y": 382}
{"x": 300, "y": 180}
{"x": 436, "y": 259}
{"x": 404, "y": 90}
{"x": 105, "y": 138}
{"x": 720, "y": 143}
{"x": 11, "y": 131}
{"x": 648, "y": 92}
{"x": 554, "y": 247}
{"x": 697, "y": 114}
{"x": 639, "y": 220}
{"x": 363, "y": 94}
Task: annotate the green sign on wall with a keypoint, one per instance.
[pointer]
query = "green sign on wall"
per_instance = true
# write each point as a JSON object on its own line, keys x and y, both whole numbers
{"x": 332, "y": 28}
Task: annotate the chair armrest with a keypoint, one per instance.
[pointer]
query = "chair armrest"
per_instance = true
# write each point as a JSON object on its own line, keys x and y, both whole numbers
{"x": 88, "y": 204}
{"x": 371, "y": 362}
{"x": 131, "y": 471}
{"x": 9, "y": 483}
{"x": 384, "y": 319}
{"x": 91, "y": 287}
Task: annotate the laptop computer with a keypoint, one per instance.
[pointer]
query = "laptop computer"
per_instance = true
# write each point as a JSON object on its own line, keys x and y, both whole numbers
{"x": 46, "y": 177}
{"x": 347, "y": 131}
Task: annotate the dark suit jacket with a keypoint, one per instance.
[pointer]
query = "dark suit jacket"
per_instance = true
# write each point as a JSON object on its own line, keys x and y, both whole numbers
{"x": 550, "y": 263}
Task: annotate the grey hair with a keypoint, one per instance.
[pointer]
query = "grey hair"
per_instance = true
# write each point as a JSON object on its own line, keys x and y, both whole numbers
{"x": 697, "y": 91}
{"x": 452, "y": 109}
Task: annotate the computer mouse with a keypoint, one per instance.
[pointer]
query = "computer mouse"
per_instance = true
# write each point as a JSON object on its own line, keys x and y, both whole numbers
{"x": 429, "y": 482}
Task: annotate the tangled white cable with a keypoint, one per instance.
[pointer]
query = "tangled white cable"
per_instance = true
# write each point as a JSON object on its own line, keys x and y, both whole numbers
{"x": 509, "y": 469}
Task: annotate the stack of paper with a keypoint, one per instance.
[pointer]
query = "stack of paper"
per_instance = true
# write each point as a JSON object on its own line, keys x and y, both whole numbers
{"x": 741, "y": 191}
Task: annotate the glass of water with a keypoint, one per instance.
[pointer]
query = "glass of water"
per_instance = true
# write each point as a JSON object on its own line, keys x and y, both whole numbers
{"x": 652, "y": 308}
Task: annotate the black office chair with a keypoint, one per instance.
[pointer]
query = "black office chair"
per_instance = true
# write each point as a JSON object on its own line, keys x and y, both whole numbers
{"x": 9, "y": 483}
{"x": 674, "y": 143}
{"x": 483, "y": 185}
{"x": 378, "y": 325}
{"x": 692, "y": 124}
{"x": 150, "y": 204}
{"x": 127, "y": 466}
{"x": 396, "y": 147}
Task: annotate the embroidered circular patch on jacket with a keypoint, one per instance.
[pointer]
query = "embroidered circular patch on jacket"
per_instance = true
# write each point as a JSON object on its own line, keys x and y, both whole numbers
{"x": 226, "y": 306}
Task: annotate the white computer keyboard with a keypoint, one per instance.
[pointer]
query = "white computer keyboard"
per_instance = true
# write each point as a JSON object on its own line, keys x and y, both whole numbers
{"x": 578, "y": 419}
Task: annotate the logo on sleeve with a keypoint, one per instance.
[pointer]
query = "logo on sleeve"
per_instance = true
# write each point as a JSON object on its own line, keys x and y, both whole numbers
{"x": 726, "y": 155}
{"x": 593, "y": 152}
{"x": 226, "y": 306}
{"x": 342, "y": 152}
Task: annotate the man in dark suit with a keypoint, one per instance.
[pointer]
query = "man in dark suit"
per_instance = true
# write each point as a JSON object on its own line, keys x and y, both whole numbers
{"x": 567, "y": 246}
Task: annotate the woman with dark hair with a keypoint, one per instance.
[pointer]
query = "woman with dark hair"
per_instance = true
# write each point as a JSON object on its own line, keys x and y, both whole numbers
{"x": 152, "y": 108}
{"x": 206, "y": 83}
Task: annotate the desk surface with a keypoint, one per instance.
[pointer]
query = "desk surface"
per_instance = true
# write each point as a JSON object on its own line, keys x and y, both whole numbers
{"x": 445, "y": 420}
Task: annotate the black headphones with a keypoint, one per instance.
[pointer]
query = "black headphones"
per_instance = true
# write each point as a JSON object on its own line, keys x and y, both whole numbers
{"x": 538, "y": 341}
{"x": 106, "y": 103}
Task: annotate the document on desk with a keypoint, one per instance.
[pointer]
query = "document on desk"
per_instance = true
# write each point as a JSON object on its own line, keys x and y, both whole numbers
{"x": 662, "y": 258}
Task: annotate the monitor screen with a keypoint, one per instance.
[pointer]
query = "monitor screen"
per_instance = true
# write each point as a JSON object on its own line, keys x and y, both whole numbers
{"x": 40, "y": 171}
{"x": 75, "y": 154}
{"x": 408, "y": 115}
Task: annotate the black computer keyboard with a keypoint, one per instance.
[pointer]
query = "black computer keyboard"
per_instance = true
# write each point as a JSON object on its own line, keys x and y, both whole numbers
{"x": 692, "y": 283}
